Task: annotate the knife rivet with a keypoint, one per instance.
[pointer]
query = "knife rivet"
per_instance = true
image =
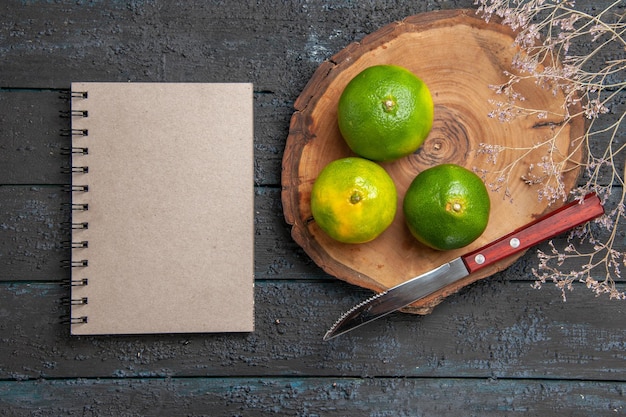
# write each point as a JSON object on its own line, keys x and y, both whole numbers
{"x": 480, "y": 259}
{"x": 514, "y": 242}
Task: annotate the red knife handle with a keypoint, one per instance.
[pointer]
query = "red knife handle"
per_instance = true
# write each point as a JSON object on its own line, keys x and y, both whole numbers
{"x": 552, "y": 224}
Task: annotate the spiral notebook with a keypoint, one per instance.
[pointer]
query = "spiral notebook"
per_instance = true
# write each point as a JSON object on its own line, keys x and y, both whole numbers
{"x": 162, "y": 208}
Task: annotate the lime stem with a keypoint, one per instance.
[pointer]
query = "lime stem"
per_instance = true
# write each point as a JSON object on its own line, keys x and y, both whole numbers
{"x": 389, "y": 104}
{"x": 355, "y": 198}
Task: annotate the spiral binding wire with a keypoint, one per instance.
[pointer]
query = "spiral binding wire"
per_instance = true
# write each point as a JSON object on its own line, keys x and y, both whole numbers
{"x": 74, "y": 170}
{"x": 74, "y": 320}
{"x": 75, "y": 301}
{"x": 66, "y": 114}
{"x": 78, "y": 320}
{"x": 69, "y": 94}
{"x": 68, "y": 244}
{"x": 76, "y": 225}
{"x": 76, "y": 282}
{"x": 77, "y": 206}
{"x": 74, "y": 150}
{"x": 75, "y": 188}
{"x": 74, "y": 132}
{"x": 74, "y": 264}
{"x": 74, "y": 206}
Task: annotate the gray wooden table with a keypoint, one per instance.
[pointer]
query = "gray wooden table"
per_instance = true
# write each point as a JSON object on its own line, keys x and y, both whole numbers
{"x": 497, "y": 348}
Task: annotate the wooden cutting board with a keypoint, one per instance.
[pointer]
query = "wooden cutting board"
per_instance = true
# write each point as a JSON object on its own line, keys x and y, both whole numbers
{"x": 459, "y": 56}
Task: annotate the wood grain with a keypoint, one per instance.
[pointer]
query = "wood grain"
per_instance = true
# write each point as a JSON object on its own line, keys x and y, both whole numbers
{"x": 32, "y": 229}
{"x": 495, "y": 348}
{"x": 331, "y": 397}
{"x": 459, "y": 56}
{"x": 492, "y": 329}
{"x": 31, "y": 147}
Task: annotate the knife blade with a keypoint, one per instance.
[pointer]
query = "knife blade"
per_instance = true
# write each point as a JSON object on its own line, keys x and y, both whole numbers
{"x": 546, "y": 227}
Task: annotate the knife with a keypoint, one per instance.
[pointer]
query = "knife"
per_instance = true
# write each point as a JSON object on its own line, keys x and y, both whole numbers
{"x": 552, "y": 224}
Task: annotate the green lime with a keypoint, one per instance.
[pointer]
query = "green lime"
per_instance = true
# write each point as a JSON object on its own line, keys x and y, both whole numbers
{"x": 447, "y": 207}
{"x": 353, "y": 200}
{"x": 385, "y": 112}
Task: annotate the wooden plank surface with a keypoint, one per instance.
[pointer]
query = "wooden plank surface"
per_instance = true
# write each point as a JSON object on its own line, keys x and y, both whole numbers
{"x": 334, "y": 397}
{"x": 32, "y": 225}
{"x": 496, "y": 348}
{"x": 493, "y": 329}
{"x": 30, "y": 140}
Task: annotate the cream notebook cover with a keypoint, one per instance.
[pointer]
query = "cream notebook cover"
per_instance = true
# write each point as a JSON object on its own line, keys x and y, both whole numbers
{"x": 162, "y": 208}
